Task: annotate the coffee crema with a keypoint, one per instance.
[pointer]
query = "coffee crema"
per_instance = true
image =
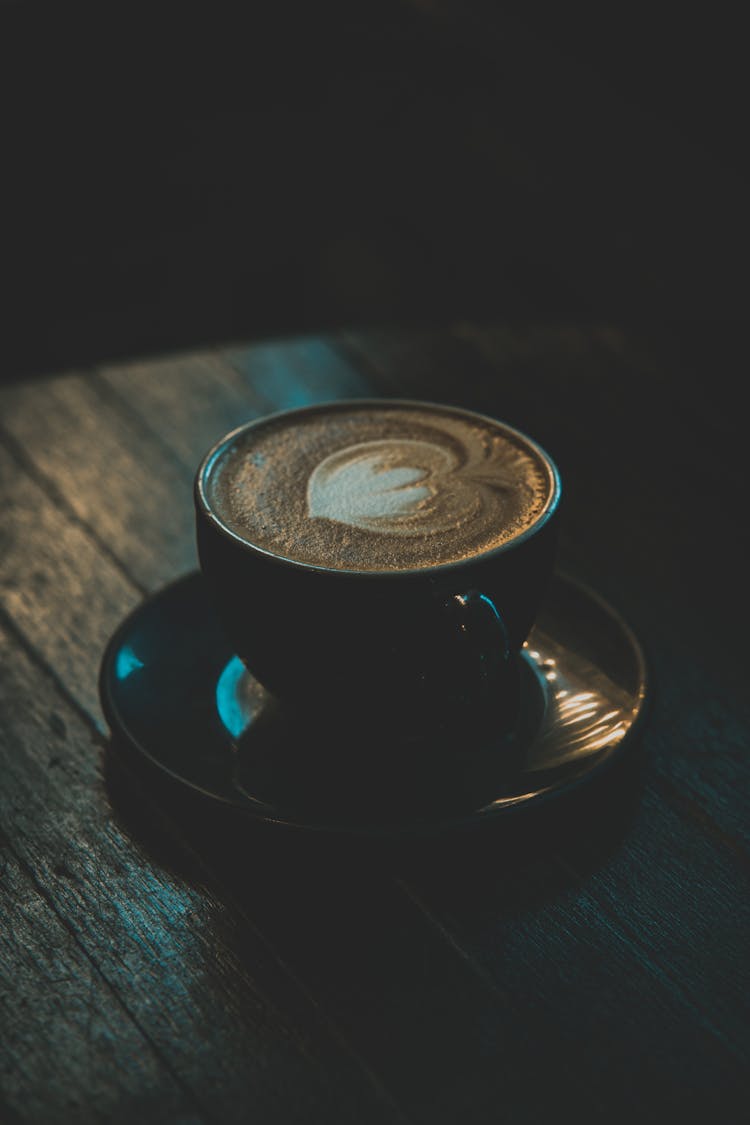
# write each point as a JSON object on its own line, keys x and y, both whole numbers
{"x": 374, "y": 488}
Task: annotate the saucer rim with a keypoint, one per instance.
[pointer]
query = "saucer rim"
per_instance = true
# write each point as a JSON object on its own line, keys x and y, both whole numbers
{"x": 477, "y": 818}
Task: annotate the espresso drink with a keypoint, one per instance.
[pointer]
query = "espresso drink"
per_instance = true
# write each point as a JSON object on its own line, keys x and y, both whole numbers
{"x": 371, "y": 488}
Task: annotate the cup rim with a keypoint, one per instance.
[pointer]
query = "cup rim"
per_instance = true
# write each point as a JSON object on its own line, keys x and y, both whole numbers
{"x": 212, "y": 455}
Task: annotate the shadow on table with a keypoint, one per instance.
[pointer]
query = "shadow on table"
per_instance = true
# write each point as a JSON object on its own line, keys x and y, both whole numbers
{"x": 216, "y": 846}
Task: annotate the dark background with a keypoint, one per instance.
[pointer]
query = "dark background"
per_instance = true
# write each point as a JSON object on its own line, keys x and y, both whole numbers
{"x": 177, "y": 175}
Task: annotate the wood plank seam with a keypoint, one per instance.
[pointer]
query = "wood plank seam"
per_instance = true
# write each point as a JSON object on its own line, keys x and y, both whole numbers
{"x": 678, "y": 811}
{"x": 109, "y": 394}
{"x": 347, "y": 348}
{"x": 28, "y": 647}
{"x": 49, "y": 901}
{"x": 621, "y": 928}
{"x": 353, "y": 350}
{"x": 57, "y": 497}
{"x": 474, "y": 965}
{"x": 202, "y": 866}
{"x": 691, "y": 808}
{"x": 624, "y": 935}
{"x": 207, "y": 867}
{"x": 222, "y": 370}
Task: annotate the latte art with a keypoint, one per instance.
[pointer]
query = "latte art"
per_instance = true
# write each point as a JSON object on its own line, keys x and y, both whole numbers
{"x": 387, "y": 486}
{"x": 379, "y": 488}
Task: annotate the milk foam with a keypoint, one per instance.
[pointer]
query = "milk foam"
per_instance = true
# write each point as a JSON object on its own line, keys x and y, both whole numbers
{"x": 384, "y": 486}
{"x": 378, "y": 488}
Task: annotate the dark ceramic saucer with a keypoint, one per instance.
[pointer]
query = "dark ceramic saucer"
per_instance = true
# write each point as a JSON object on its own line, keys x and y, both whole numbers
{"x": 173, "y": 693}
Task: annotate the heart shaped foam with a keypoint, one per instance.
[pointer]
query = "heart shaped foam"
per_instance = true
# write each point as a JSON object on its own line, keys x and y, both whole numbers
{"x": 391, "y": 486}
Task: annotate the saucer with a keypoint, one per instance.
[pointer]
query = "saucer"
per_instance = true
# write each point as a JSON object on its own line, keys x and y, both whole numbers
{"x": 175, "y": 695}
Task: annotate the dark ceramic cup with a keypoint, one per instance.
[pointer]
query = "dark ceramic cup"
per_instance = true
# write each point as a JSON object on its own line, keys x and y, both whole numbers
{"x": 408, "y": 651}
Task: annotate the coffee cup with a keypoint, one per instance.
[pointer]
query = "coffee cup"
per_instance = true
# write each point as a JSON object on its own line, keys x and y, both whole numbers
{"x": 380, "y": 560}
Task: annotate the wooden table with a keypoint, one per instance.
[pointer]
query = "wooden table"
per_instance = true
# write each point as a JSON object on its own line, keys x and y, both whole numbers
{"x": 160, "y": 966}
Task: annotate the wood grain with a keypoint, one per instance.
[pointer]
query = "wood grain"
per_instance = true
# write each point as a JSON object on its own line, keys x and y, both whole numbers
{"x": 168, "y": 952}
{"x": 593, "y": 963}
{"x": 63, "y": 594}
{"x": 86, "y": 449}
{"x": 60, "y": 1019}
{"x": 633, "y": 488}
{"x": 187, "y": 401}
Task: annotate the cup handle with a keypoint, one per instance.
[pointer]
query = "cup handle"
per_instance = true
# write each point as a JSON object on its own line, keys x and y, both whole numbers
{"x": 481, "y": 664}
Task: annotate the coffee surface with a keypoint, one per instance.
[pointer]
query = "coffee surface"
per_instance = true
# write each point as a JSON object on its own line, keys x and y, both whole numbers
{"x": 377, "y": 488}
